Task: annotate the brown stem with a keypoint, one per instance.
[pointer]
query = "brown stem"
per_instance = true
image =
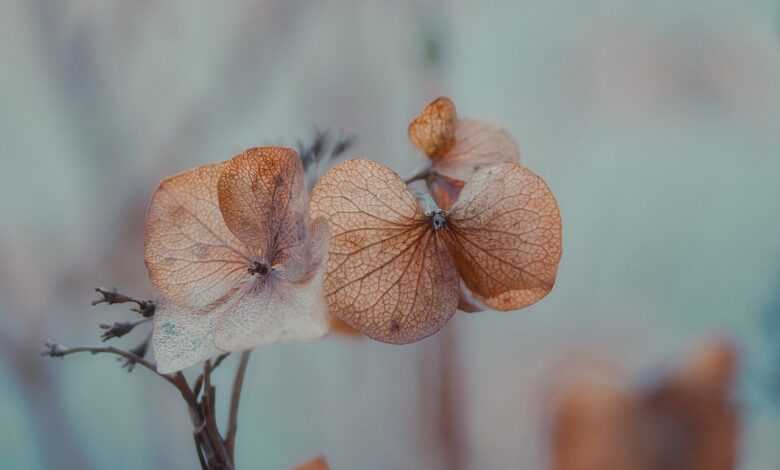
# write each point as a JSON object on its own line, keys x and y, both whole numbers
{"x": 55, "y": 350}
{"x": 421, "y": 175}
{"x": 235, "y": 398}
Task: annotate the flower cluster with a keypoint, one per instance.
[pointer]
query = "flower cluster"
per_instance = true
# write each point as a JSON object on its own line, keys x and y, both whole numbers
{"x": 241, "y": 259}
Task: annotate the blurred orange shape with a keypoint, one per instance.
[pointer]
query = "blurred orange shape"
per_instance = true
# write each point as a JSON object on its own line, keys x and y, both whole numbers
{"x": 394, "y": 269}
{"x": 318, "y": 463}
{"x": 232, "y": 251}
{"x": 686, "y": 419}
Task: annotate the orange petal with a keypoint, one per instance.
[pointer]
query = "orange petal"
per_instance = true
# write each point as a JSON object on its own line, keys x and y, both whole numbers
{"x": 433, "y": 130}
{"x": 389, "y": 274}
{"x": 340, "y": 328}
{"x": 477, "y": 145}
{"x": 190, "y": 254}
{"x": 505, "y": 236}
{"x": 263, "y": 201}
{"x": 444, "y": 190}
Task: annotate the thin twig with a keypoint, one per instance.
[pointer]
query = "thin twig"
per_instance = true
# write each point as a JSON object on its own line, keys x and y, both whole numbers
{"x": 145, "y": 307}
{"x": 421, "y": 175}
{"x": 208, "y": 407}
{"x": 119, "y": 329}
{"x": 55, "y": 350}
{"x": 199, "y": 381}
{"x": 235, "y": 398}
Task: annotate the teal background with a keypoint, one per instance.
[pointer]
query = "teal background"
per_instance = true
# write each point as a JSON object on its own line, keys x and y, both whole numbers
{"x": 657, "y": 125}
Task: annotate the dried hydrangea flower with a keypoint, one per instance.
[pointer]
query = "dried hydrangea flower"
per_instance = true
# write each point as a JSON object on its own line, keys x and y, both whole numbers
{"x": 395, "y": 267}
{"x": 231, "y": 249}
{"x": 457, "y": 148}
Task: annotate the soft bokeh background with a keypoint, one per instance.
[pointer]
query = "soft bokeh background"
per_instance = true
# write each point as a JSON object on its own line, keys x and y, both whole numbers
{"x": 657, "y": 124}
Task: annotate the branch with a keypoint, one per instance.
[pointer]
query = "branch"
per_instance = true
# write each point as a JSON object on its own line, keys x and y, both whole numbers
{"x": 421, "y": 175}
{"x": 56, "y": 350}
{"x": 145, "y": 307}
{"x": 199, "y": 382}
{"x": 238, "y": 384}
{"x": 119, "y": 329}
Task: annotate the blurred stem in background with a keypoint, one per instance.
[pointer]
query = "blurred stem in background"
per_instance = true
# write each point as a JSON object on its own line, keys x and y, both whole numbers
{"x": 442, "y": 401}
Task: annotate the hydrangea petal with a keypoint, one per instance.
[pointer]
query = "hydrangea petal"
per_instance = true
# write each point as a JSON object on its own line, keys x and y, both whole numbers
{"x": 478, "y": 145}
{"x": 389, "y": 273}
{"x": 262, "y": 197}
{"x": 182, "y": 337}
{"x": 505, "y": 236}
{"x": 279, "y": 310}
{"x": 433, "y": 130}
{"x": 191, "y": 256}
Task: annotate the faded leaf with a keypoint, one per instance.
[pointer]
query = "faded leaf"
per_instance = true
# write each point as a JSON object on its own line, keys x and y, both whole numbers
{"x": 505, "y": 236}
{"x": 389, "y": 274}
{"x": 190, "y": 254}
{"x": 433, "y": 130}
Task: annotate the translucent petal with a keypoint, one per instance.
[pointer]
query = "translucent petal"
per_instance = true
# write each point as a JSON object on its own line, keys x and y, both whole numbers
{"x": 182, "y": 337}
{"x": 433, "y": 130}
{"x": 478, "y": 145}
{"x": 278, "y": 310}
{"x": 190, "y": 254}
{"x": 263, "y": 201}
{"x": 505, "y": 236}
{"x": 389, "y": 273}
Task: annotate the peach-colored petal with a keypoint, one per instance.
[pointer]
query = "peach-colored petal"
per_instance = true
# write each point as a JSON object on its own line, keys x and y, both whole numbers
{"x": 340, "y": 328}
{"x": 276, "y": 309}
{"x": 190, "y": 254}
{"x": 505, "y": 236}
{"x": 444, "y": 190}
{"x": 389, "y": 273}
{"x": 433, "y": 130}
{"x": 263, "y": 201}
{"x": 477, "y": 145}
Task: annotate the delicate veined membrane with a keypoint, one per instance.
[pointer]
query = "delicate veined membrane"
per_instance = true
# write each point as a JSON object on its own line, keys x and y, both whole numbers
{"x": 394, "y": 269}
{"x": 238, "y": 263}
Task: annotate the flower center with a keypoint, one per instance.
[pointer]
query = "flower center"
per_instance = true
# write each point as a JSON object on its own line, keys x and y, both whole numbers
{"x": 259, "y": 268}
{"x": 438, "y": 219}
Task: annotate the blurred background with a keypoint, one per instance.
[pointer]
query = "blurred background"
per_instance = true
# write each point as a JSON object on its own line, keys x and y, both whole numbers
{"x": 656, "y": 124}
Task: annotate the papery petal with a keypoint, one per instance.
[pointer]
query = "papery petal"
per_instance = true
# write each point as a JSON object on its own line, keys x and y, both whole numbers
{"x": 262, "y": 197}
{"x": 278, "y": 310}
{"x": 182, "y": 336}
{"x": 433, "y": 130}
{"x": 389, "y": 274}
{"x": 477, "y": 145}
{"x": 505, "y": 236}
{"x": 190, "y": 254}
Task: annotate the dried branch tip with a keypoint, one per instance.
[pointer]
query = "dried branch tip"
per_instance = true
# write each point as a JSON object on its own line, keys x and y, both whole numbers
{"x": 145, "y": 307}
{"x": 52, "y": 349}
{"x": 119, "y": 329}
